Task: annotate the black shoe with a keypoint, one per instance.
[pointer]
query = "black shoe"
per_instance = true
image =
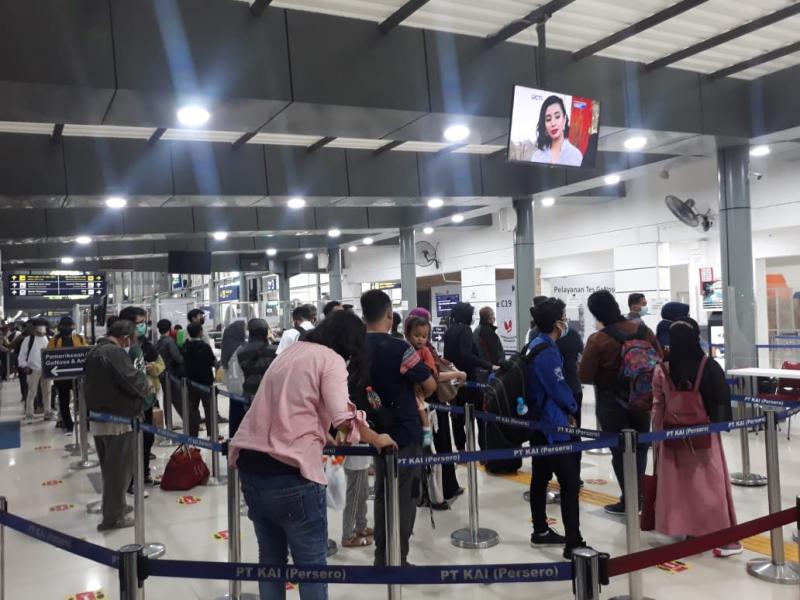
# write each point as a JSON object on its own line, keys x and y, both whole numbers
{"x": 153, "y": 456}
{"x": 615, "y": 509}
{"x": 570, "y": 547}
{"x": 548, "y": 538}
{"x": 440, "y": 506}
{"x": 458, "y": 492}
{"x": 148, "y": 480}
{"x": 221, "y": 419}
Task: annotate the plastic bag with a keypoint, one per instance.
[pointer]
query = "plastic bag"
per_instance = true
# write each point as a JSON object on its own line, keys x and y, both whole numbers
{"x": 337, "y": 483}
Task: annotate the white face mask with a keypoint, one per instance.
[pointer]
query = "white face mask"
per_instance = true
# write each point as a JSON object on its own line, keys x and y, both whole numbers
{"x": 562, "y": 327}
{"x": 41, "y": 330}
{"x": 644, "y": 311}
{"x": 598, "y": 326}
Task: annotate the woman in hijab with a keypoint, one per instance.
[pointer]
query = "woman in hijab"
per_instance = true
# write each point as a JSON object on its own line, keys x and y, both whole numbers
{"x": 671, "y": 311}
{"x": 693, "y": 491}
{"x": 232, "y": 338}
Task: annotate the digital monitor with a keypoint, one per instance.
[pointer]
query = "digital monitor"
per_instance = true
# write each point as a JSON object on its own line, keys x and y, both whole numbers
{"x": 445, "y": 303}
{"x": 553, "y": 129}
{"x": 189, "y": 262}
{"x": 25, "y": 289}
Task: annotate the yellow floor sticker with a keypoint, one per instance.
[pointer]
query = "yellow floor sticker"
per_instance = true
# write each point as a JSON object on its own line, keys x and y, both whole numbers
{"x": 759, "y": 544}
{"x": 673, "y": 567}
{"x": 189, "y": 499}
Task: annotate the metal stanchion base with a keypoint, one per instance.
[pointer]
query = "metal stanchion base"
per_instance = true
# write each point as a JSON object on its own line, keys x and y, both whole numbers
{"x": 95, "y": 507}
{"x": 332, "y": 548}
{"x": 795, "y": 537}
{"x": 486, "y": 538}
{"x": 240, "y": 596}
{"x": 552, "y": 497}
{"x": 748, "y": 479}
{"x": 83, "y": 464}
{"x": 153, "y": 550}
{"x": 216, "y": 481}
{"x": 762, "y": 568}
{"x": 627, "y": 597}
{"x": 76, "y": 451}
{"x": 165, "y": 443}
{"x": 526, "y": 495}
{"x": 70, "y": 447}
{"x": 599, "y": 451}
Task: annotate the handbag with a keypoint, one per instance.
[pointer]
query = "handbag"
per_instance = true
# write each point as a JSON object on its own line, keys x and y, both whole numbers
{"x": 685, "y": 408}
{"x": 649, "y": 485}
{"x": 336, "y": 492}
{"x": 185, "y": 469}
{"x": 446, "y": 391}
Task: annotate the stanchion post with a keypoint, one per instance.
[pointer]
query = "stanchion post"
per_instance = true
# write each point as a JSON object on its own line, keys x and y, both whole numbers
{"x": 83, "y": 432}
{"x": 392, "y": 511}
{"x": 164, "y": 442}
{"x": 473, "y": 537}
{"x": 129, "y": 581}
{"x": 630, "y": 440}
{"x": 774, "y": 569}
{"x": 746, "y": 478}
{"x": 235, "y": 537}
{"x": 74, "y": 445}
{"x": 213, "y": 434}
{"x": 586, "y": 574}
{"x": 3, "y": 509}
{"x": 153, "y": 550}
{"x": 185, "y": 404}
{"x": 796, "y": 535}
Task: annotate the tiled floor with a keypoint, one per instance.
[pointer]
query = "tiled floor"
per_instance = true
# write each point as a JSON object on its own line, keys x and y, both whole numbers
{"x": 38, "y": 571}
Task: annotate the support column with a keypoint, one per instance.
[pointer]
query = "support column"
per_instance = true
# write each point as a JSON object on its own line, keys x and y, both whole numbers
{"x": 285, "y": 298}
{"x": 736, "y": 242}
{"x": 524, "y": 269}
{"x": 478, "y": 287}
{"x": 408, "y": 268}
{"x": 335, "y": 273}
{"x": 2, "y": 300}
{"x": 244, "y": 292}
{"x": 643, "y": 268}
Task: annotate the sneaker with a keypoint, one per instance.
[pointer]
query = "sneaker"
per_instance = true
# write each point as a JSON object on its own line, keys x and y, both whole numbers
{"x": 548, "y": 538}
{"x": 727, "y": 550}
{"x": 615, "y": 509}
{"x": 118, "y": 524}
{"x": 50, "y": 416}
{"x": 570, "y": 547}
{"x": 29, "y": 420}
{"x": 130, "y": 493}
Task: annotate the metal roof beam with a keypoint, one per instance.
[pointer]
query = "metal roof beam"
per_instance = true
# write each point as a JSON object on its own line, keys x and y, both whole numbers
{"x": 543, "y": 12}
{"x": 736, "y": 32}
{"x": 243, "y": 140}
{"x": 156, "y": 135}
{"x": 320, "y": 143}
{"x": 58, "y": 132}
{"x": 401, "y": 14}
{"x": 755, "y": 61}
{"x": 258, "y": 6}
{"x": 637, "y": 28}
{"x": 386, "y": 147}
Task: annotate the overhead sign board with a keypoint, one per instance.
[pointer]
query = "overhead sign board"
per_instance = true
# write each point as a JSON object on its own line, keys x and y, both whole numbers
{"x": 229, "y": 293}
{"x": 64, "y": 363}
{"x": 55, "y": 286}
{"x": 437, "y": 334}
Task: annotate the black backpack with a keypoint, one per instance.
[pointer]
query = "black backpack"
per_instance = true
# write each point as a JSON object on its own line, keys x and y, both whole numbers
{"x": 254, "y": 363}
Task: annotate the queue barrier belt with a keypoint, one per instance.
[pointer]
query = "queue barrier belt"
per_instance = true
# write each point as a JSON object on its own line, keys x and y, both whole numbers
{"x": 761, "y": 401}
{"x": 177, "y": 437}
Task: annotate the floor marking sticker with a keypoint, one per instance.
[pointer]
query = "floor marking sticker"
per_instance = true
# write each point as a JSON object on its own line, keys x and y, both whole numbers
{"x": 43, "y": 448}
{"x": 61, "y": 507}
{"x": 290, "y": 586}
{"x": 673, "y": 567}
{"x": 221, "y": 535}
{"x": 98, "y": 595}
{"x": 189, "y": 499}
{"x": 597, "y": 481}
{"x": 51, "y": 482}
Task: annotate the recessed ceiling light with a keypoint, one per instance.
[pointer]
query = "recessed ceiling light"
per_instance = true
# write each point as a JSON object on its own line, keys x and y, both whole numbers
{"x": 67, "y": 260}
{"x": 548, "y": 201}
{"x": 116, "y": 202}
{"x": 762, "y": 150}
{"x": 435, "y": 203}
{"x": 427, "y": 230}
{"x": 456, "y": 133}
{"x": 334, "y": 233}
{"x": 83, "y": 240}
{"x": 220, "y": 235}
{"x": 271, "y": 251}
{"x": 457, "y": 218}
{"x": 352, "y": 248}
{"x": 309, "y": 256}
{"x": 193, "y": 116}
{"x": 636, "y": 142}
{"x": 613, "y": 179}
{"x": 296, "y": 202}
{"x": 368, "y": 241}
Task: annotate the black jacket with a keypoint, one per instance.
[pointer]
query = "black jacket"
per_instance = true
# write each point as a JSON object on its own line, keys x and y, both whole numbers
{"x": 571, "y": 346}
{"x": 460, "y": 347}
{"x": 173, "y": 359}
{"x": 113, "y": 385}
{"x": 489, "y": 344}
{"x": 199, "y": 362}
{"x": 254, "y": 359}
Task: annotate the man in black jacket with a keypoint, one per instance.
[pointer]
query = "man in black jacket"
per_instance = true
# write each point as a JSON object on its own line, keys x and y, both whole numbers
{"x": 489, "y": 344}
{"x": 114, "y": 386}
{"x": 199, "y": 363}
{"x": 252, "y": 359}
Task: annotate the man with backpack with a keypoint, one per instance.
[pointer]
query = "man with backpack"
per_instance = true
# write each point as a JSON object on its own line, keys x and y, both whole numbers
{"x": 619, "y": 360}
{"x": 303, "y": 317}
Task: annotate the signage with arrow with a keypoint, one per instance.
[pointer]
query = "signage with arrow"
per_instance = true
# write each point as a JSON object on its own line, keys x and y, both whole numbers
{"x": 64, "y": 363}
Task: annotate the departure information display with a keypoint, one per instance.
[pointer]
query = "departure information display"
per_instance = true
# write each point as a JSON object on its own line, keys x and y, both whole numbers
{"x": 75, "y": 286}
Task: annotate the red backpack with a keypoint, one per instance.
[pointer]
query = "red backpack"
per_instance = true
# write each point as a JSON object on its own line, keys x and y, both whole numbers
{"x": 685, "y": 408}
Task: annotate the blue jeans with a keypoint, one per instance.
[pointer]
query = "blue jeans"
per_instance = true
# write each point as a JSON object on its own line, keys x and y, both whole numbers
{"x": 288, "y": 513}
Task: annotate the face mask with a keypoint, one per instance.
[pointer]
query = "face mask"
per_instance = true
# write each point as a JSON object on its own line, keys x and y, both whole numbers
{"x": 141, "y": 329}
{"x": 41, "y": 331}
{"x": 562, "y": 327}
{"x": 644, "y": 311}
{"x": 598, "y": 326}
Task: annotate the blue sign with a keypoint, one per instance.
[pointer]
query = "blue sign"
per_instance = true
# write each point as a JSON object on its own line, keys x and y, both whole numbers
{"x": 229, "y": 292}
{"x": 445, "y": 303}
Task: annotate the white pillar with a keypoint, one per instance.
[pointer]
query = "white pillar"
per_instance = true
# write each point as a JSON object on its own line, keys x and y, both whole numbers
{"x": 643, "y": 268}
{"x": 762, "y": 311}
{"x": 478, "y": 287}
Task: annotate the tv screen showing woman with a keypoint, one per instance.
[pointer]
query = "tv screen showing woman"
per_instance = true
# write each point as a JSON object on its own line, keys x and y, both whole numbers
{"x": 549, "y": 128}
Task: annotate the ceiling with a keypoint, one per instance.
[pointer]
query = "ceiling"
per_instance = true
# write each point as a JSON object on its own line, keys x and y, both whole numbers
{"x": 586, "y": 21}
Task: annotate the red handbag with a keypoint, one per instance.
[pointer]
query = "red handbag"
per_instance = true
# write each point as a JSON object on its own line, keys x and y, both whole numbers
{"x": 185, "y": 469}
{"x": 647, "y": 519}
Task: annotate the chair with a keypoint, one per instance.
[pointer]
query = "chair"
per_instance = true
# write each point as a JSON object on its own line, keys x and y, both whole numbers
{"x": 787, "y": 390}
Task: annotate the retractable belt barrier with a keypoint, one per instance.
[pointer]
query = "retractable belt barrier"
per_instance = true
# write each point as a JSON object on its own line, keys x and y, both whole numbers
{"x": 177, "y": 437}
{"x": 760, "y": 401}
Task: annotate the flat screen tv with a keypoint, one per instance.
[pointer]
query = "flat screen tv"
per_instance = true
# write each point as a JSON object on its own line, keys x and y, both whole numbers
{"x": 189, "y": 262}
{"x": 553, "y": 129}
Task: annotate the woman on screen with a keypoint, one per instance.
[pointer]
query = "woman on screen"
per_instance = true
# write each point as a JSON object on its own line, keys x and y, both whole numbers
{"x": 552, "y": 133}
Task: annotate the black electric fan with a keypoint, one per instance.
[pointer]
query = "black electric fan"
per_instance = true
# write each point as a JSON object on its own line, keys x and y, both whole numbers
{"x": 687, "y": 214}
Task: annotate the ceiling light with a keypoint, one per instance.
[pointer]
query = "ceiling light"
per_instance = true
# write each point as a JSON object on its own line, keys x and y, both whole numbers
{"x": 427, "y": 230}
{"x": 116, "y": 202}
{"x": 637, "y": 142}
{"x": 368, "y": 241}
{"x": 193, "y": 116}
{"x": 613, "y": 179}
{"x": 309, "y": 256}
{"x": 456, "y": 133}
{"x": 757, "y": 151}
{"x": 352, "y": 248}
{"x": 435, "y": 203}
{"x": 296, "y": 202}
{"x": 271, "y": 251}
{"x": 220, "y": 235}
{"x": 548, "y": 201}
{"x": 334, "y": 233}
{"x": 67, "y": 260}
{"x": 457, "y": 218}
{"x": 83, "y": 240}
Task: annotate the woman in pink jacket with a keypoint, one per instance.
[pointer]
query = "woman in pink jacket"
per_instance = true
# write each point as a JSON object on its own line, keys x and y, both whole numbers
{"x": 278, "y": 447}
{"x": 694, "y": 491}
